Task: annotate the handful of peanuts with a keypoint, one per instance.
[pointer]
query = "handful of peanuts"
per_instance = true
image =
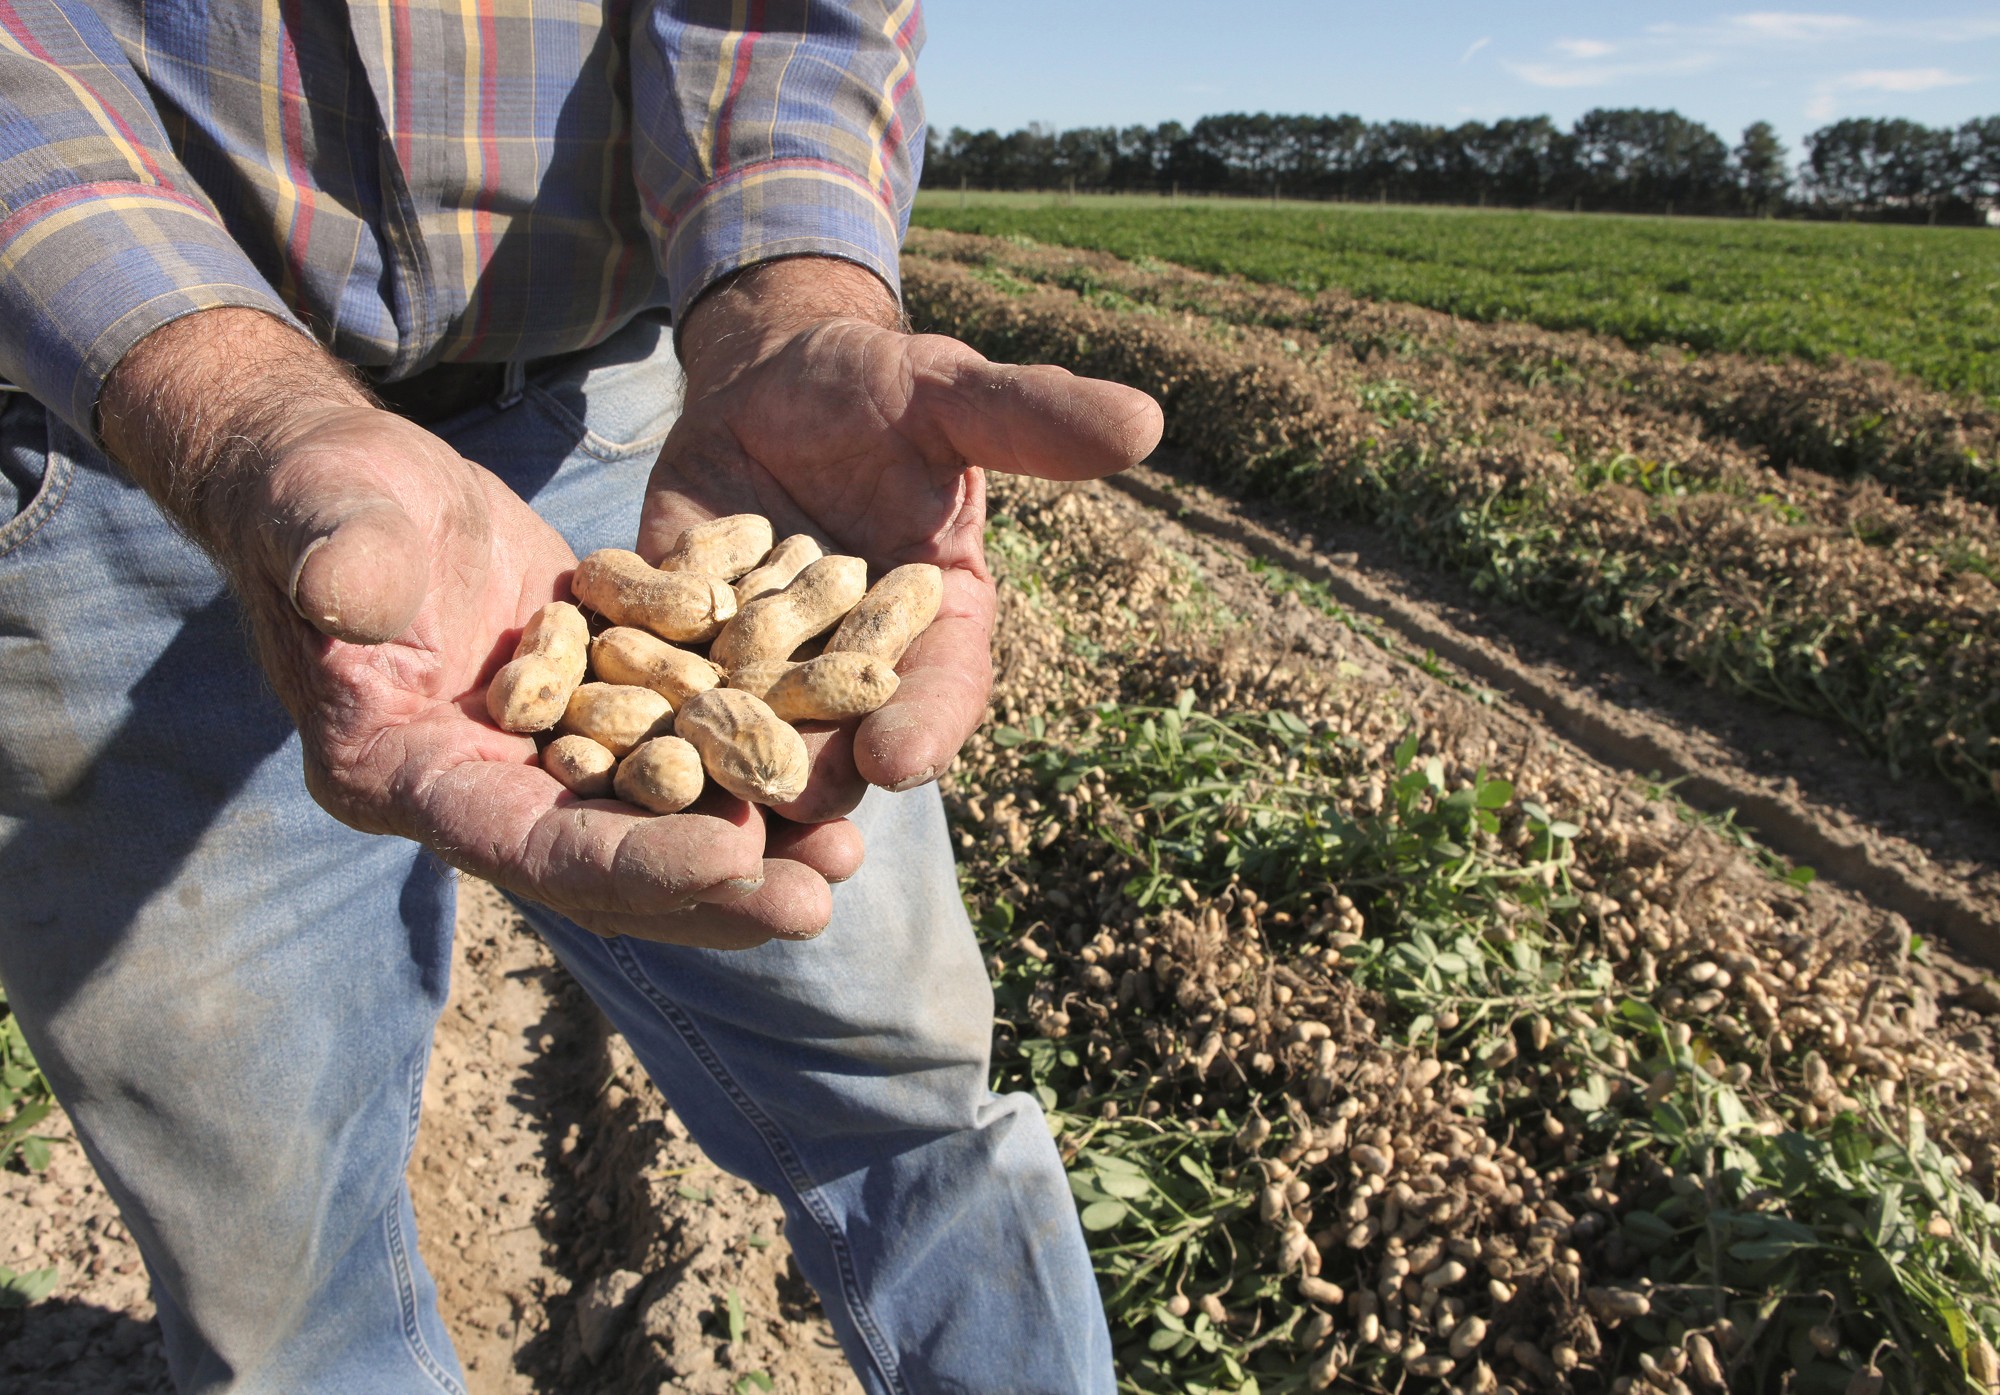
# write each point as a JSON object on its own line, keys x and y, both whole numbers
{"x": 640, "y": 712}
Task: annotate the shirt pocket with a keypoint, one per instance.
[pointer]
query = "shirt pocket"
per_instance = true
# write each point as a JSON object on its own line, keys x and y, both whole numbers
{"x": 33, "y": 478}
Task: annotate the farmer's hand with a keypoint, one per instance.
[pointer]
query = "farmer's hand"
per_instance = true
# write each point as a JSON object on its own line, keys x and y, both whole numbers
{"x": 385, "y": 578}
{"x": 808, "y": 403}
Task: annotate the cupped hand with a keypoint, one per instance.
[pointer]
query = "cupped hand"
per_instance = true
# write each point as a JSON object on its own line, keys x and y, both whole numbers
{"x": 385, "y": 579}
{"x": 409, "y": 572}
{"x": 809, "y": 404}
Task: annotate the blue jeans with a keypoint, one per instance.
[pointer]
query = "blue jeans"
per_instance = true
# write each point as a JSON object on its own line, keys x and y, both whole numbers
{"x": 234, "y": 995}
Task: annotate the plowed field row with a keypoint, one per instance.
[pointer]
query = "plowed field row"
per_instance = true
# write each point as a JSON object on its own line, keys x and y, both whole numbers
{"x": 1845, "y": 418}
{"x": 1601, "y": 494}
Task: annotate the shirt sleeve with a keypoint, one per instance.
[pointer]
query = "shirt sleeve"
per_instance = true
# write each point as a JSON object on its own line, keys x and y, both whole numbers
{"x": 800, "y": 133}
{"x": 103, "y": 236}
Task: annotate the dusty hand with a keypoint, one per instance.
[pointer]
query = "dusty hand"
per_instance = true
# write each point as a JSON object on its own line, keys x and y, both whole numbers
{"x": 808, "y": 403}
{"x": 385, "y": 578}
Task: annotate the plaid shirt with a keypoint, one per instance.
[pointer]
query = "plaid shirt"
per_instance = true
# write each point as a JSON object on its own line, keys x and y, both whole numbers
{"x": 421, "y": 181}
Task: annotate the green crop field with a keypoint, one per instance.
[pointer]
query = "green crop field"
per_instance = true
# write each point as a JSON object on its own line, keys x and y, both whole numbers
{"x": 1924, "y": 299}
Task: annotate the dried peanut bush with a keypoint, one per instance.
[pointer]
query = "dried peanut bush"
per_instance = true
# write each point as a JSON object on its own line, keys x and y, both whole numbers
{"x": 666, "y": 692}
{"x": 1392, "y": 1045}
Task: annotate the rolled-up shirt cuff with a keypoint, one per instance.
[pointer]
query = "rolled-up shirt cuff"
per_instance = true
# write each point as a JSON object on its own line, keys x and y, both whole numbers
{"x": 88, "y": 271}
{"x": 777, "y": 208}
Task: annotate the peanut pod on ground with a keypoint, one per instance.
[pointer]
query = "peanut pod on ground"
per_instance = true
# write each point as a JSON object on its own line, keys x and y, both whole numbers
{"x": 745, "y": 746}
{"x": 532, "y": 690}
{"x": 724, "y": 547}
{"x": 617, "y": 716}
{"x": 776, "y": 571}
{"x": 895, "y": 611}
{"x": 831, "y": 688}
{"x": 771, "y": 627}
{"x": 582, "y": 765}
{"x": 662, "y": 775}
{"x": 624, "y": 654}
{"x": 685, "y": 607}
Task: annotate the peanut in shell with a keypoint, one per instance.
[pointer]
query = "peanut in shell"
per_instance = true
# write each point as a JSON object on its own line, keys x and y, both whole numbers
{"x": 895, "y": 611}
{"x": 617, "y": 716}
{"x": 777, "y": 570}
{"x": 625, "y": 654}
{"x": 583, "y": 766}
{"x": 771, "y": 627}
{"x": 832, "y": 688}
{"x": 532, "y": 690}
{"x": 662, "y": 775}
{"x": 724, "y": 547}
{"x": 745, "y": 747}
{"x": 756, "y": 679}
{"x": 685, "y": 607}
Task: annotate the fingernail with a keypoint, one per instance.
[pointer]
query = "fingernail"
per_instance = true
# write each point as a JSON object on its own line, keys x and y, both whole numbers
{"x": 801, "y": 935}
{"x": 734, "y": 889}
{"x": 298, "y": 570}
{"x": 922, "y": 777}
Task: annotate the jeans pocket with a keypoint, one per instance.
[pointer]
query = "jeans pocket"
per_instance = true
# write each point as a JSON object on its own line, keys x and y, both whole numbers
{"x": 33, "y": 476}
{"x": 618, "y": 399}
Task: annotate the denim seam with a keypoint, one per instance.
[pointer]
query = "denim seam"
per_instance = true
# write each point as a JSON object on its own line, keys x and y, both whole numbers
{"x": 57, "y": 476}
{"x": 600, "y": 447}
{"x": 781, "y": 1152}
{"x": 399, "y": 1254}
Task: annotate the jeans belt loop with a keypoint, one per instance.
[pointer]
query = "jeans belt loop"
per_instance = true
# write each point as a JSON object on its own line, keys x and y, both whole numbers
{"x": 513, "y": 383}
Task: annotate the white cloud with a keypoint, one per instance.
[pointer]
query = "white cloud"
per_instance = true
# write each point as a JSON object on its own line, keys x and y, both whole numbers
{"x": 1824, "y": 102}
{"x": 1772, "y": 46}
{"x": 1791, "y": 27}
{"x": 1604, "y": 74}
{"x": 1477, "y": 44}
{"x": 1900, "y": 80}
{"x": 1765, "y": 29}
{"x": 1556, "y": 75}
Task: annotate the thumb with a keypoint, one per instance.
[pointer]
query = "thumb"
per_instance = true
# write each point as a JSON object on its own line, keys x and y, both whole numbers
{"x": 335, "y": 528}
{"x": 1039, "y": 420}
{"x": 360, "y": 570}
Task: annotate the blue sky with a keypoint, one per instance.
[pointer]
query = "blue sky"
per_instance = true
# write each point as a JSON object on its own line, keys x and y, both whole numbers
{"x": 1004, "y": 63}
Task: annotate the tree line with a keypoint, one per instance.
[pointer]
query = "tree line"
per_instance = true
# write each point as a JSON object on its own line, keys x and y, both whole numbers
{"x": 1611, "y": 159}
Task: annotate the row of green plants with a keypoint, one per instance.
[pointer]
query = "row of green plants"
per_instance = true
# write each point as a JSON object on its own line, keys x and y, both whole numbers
{"x": 1845, "y": 420}
{"x": 1924, "y": 299}
{"x": 1736, "y": 1230}
{"x": 1890, "y": 640}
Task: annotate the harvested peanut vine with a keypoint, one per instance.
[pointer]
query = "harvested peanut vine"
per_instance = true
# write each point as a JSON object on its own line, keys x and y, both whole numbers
{"x": 1376, "y": 1066}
